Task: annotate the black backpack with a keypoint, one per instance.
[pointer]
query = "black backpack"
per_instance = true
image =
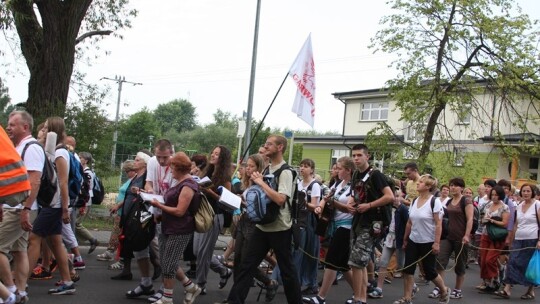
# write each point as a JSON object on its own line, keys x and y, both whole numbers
{"x": 49, "y": 180}
{"x": 383, "y": 213}
{"x": 139, "y": 228}
{"x": 98, "y": 190}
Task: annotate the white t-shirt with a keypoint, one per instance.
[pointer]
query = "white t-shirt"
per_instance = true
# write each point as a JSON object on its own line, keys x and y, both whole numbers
{"x": 34, "y": 159}
{"x": 315, "y": 190}
{"x": 63, "y": 153}
{"x": 423, "y": 224}
{"x": 343, "y": 199}
{"x": 161, "y": 177}
{"x": 527, "y": 224}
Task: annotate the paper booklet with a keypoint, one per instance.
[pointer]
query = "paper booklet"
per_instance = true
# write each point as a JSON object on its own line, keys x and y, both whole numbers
{"x": 149, "y": 197}
{"x": 229, "y": 200}
{"x": 204, "y": 181}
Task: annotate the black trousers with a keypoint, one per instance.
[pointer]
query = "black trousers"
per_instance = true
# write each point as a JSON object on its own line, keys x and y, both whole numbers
{"x": 258, "y": 246}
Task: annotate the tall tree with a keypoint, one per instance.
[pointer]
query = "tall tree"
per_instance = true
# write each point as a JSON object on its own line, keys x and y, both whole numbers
{"x": 4, "y": 104}
{"x": 49, "y": 33}
{"x": 446, "y": 49}
{"x": 137, "y": 132}
{"x": 88, "y": 123}
{"x": 176, "y": 116}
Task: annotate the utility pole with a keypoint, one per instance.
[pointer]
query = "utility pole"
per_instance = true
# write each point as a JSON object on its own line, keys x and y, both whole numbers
{"x": 120, "y": 80}
{"x": 247, "y": 138}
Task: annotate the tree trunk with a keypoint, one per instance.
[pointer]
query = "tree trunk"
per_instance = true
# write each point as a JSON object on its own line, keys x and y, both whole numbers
{"x": 49, "y": 51}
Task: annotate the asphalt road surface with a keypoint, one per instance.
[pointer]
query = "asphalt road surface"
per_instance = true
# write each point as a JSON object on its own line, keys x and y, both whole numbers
{"x": 96, "y": 286}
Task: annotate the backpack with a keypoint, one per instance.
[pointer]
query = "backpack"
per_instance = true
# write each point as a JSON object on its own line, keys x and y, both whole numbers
{"x": 302, "y": 198}
{"x": 49, "y": 180}
{"x": 98, "y": 190}
{"x": 84, "y": 194}
{"x": 139, "y": 228}
{"x": 76, "y": 177}
{"x": 383, "y": 213}
{"x": 462, "y": 202}
{"x": 260, "y": 209}
{"x": 204, "y": 215}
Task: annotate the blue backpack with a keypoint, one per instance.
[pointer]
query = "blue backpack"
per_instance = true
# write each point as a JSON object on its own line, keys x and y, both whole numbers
{"x": 260, "y": 209}
{"x": 76, "y": 177}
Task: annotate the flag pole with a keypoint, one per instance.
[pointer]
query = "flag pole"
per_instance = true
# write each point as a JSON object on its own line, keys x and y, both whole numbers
{"x": 264, "y": 117}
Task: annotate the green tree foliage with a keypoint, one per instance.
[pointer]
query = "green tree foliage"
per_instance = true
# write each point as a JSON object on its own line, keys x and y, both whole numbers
{"x": 134, "y": 132}
{"x": 5, "y": 106}
{"x": 50, "y": 33}
{"x": 176, "y": 116}
{"x": 446, "y": 49}
{"x": 88, "y": 123}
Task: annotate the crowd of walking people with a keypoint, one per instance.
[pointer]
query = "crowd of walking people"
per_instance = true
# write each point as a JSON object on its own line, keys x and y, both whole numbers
{"x": 362, "y": 225}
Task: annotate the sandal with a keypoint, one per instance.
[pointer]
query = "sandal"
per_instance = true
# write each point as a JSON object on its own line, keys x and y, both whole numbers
{"x": 527, "y": 296}
{"x": 145, "y": 291}
{"x": 435, "y": 293}
{"x": 117, "y": 266}
{"x": 502, "y": 294}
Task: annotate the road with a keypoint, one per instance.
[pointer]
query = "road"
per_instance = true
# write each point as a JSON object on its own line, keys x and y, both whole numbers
{"x": 96, "y": 286}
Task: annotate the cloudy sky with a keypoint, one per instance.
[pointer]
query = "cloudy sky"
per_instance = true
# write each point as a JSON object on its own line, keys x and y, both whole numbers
{"x": 200, "y": 50}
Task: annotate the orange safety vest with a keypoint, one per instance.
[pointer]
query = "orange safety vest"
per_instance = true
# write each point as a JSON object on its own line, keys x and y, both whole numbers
{"x": 13, "y": 175}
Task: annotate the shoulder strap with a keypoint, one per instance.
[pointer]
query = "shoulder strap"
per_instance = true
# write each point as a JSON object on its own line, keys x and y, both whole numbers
{"x": 433, "y": 198}
{"x": 26, "y": 147}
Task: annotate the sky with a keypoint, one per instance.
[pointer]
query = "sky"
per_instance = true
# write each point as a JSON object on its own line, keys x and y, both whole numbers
{"x": 201, "y": 50}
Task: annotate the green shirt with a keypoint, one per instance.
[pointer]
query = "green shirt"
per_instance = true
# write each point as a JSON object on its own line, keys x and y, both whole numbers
{"x": 286, "y": 186}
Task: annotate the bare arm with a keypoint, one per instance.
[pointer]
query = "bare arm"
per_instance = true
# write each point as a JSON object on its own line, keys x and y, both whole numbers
{"x": 62, "y": 172}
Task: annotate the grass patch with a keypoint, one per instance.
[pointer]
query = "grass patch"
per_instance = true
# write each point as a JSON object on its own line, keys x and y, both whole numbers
{"x": 99, "y": 219}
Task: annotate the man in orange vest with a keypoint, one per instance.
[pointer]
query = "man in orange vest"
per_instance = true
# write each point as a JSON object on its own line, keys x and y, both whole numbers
{"x": 18, "y": 221}
{"x": 14, "y": 184}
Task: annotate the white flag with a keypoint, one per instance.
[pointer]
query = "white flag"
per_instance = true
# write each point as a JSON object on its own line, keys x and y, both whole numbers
{"x": 303, "y": 73}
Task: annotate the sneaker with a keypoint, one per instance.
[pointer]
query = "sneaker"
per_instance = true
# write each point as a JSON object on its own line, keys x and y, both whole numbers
{"x": 156, "y": 297}
{"x": 40, "y": 273}
{"x": 74, "y": 278}
{"x": 376, "y": 293}
{"x": 313, "y": 300}
{"x": 446, "y": 298}
{"x": 163, "y": 301}
{"x": 456, "y": 294}
{"x": 435, "y": 293}
{"x": 63, "y": 290}
{"x": 224, "y": 279}
{"x": 192, "y": 293}
{"x": 415, "y": 290}
{"x": 93, "y": 245}
{"x": 105, "y": 256}
{"x": 403, "y": 301}
{"x": 339, "y": 276}
{"x": 79, "y": 265}
{"x": 21, "y": 299}
{"x": 271, "y": 291}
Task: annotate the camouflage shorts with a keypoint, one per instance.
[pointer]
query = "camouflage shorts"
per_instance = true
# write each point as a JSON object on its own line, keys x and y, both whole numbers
{"x": 361, "y": 248}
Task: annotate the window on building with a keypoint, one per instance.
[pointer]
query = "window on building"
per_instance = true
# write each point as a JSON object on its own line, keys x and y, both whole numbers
{"x": 336, "y": 154}
{"x": 414, "y": 132}
{"x": 533, "y": 168}
{"x": 374, "y": 111}
{"x": 464, "y": 116}
{"x": 409, "y": 153}
{"x": 459, "y": 157}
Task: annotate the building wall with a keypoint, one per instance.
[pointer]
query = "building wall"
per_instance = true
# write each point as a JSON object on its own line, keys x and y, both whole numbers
{"x": 322, "y": 158}
{"x": 476, "y": 167}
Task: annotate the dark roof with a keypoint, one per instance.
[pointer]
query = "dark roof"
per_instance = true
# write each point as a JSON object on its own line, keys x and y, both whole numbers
{"x": 518, "y": 137}
{"x": 338, "y": 139}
